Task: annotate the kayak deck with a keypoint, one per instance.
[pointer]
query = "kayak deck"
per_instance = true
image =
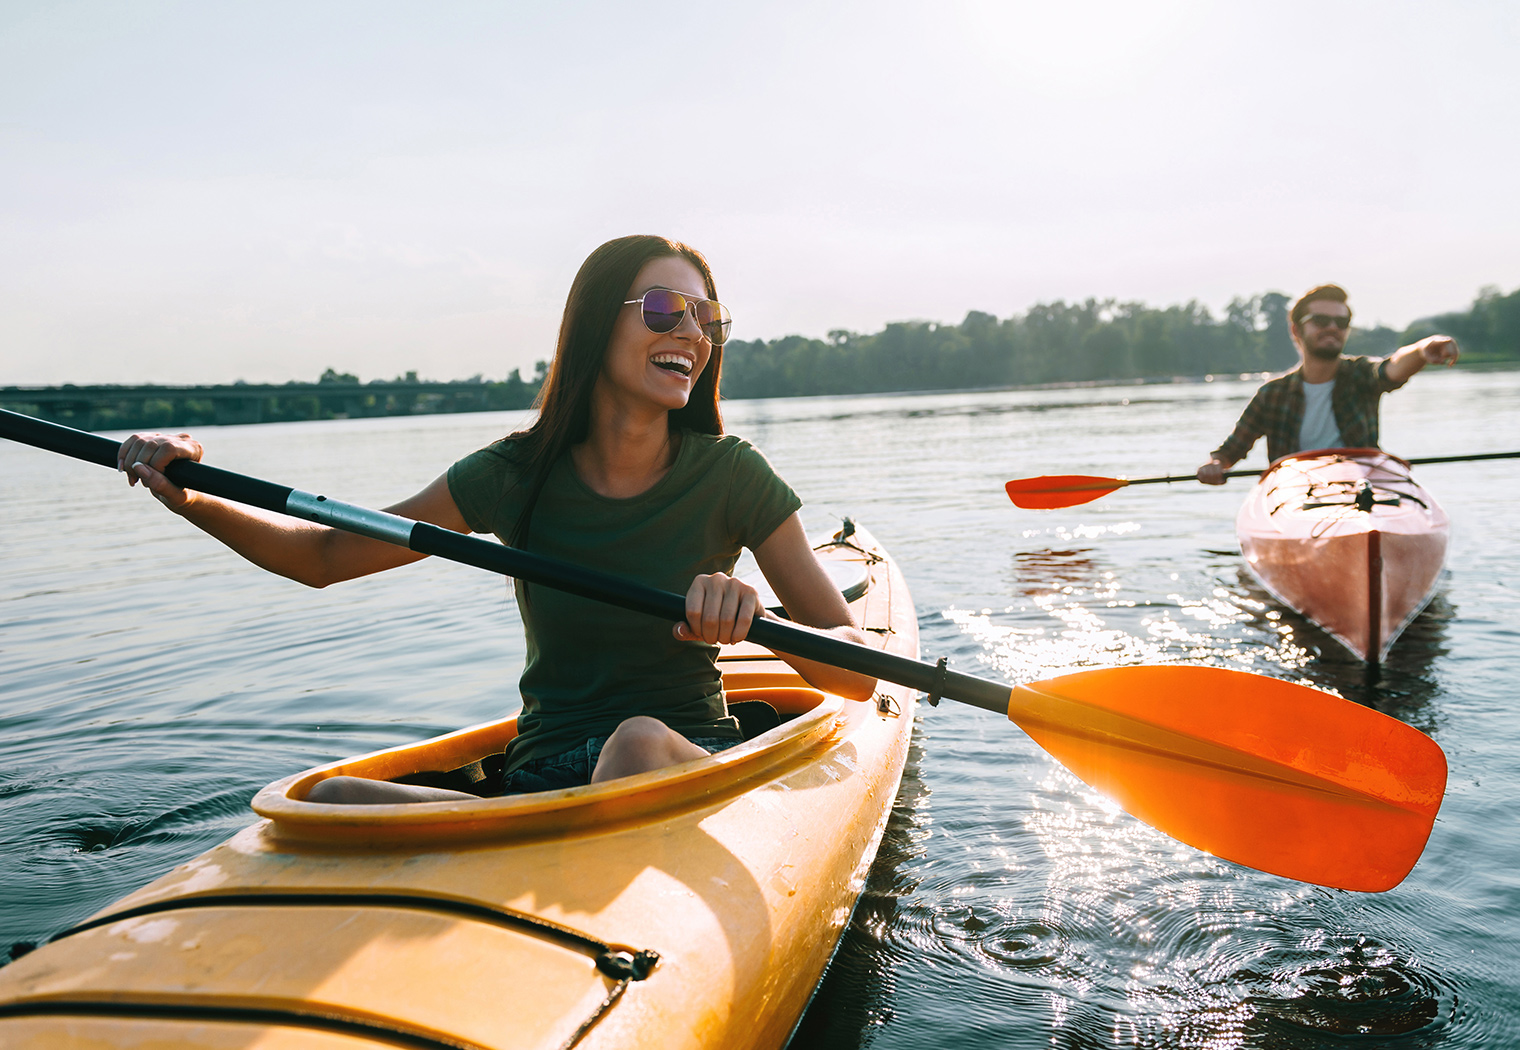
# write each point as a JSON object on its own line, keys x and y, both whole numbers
{"x": 1347, "y": 538}
{"x": 693, "y": 906}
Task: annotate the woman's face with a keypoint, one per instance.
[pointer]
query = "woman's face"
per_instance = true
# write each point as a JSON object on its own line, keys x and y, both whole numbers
{"x": 644, "y": 368}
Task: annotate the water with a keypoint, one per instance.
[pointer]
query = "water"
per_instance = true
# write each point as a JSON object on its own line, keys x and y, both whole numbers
{"x": 152, "y": 682}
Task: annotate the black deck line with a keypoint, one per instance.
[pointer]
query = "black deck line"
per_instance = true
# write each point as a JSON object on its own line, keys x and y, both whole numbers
{"x": 374, "y": 1030}
{"x": 443, "y": 905}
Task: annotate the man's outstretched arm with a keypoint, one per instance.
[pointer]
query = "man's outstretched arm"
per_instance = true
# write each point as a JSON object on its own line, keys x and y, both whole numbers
{"x": 1407, "y": 360}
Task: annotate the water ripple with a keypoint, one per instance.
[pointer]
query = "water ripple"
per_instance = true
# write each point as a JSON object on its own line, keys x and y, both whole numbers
{"x": 153, "y": 682}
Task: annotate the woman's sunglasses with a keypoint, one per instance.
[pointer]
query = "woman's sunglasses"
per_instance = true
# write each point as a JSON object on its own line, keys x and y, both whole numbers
{"x": 664, "y": 310}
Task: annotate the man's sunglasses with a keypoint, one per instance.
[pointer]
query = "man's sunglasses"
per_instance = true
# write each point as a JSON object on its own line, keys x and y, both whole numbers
{"x": 664, "y": 310}
{"x": 1326, "y": 320}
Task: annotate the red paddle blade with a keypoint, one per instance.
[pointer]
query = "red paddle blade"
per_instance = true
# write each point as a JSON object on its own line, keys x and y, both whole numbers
{"x": 1060, "y": 490}
{"x": 1276, "y": 776}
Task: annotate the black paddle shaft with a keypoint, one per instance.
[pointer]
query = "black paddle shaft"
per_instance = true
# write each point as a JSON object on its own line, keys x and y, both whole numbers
{"x": 1256, "y": 473}
{"x": 510, "y": 561}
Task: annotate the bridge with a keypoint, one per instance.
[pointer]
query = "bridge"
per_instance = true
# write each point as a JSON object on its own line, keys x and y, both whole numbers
{"x": 110, "y": 407}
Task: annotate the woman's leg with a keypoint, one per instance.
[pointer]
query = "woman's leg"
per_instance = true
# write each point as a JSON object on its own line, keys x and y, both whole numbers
{"x": 356, "y": 791}
{"x": 640, "y": 744}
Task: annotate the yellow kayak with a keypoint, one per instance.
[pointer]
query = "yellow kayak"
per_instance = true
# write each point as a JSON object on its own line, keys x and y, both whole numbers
{"x": 694, "y": 906}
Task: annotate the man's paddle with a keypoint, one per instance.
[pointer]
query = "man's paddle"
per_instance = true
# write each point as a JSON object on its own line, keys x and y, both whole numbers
{"x": 1266, "y": 773}
{"x": 1051, "y": 491}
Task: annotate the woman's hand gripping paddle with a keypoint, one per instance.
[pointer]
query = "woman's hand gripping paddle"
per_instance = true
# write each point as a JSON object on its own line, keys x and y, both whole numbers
{"x": 1266, "y": 773}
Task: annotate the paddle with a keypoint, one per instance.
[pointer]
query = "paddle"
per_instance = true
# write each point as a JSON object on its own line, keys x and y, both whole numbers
{"x": 1273, "y": 775}
{"x": 1051, "y": 491}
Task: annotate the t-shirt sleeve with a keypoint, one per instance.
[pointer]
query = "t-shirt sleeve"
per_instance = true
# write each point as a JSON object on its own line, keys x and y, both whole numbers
{"x": 478, "y": 483}
{"x": 1248, "y": 429}
{"x": 758, "y": 500}
{"x": 1379, "y": 376}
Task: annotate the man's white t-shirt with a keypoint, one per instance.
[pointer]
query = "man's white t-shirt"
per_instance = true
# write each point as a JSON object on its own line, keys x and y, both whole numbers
{"x": 1318, "y": 429}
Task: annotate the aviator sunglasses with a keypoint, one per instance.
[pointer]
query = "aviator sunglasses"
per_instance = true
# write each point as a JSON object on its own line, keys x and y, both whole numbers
{"x": 1326, "y": 320}
{"x": 664, "y": 310}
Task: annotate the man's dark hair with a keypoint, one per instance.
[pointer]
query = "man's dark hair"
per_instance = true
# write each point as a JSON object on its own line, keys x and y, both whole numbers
{"x": 1333, "y": 293}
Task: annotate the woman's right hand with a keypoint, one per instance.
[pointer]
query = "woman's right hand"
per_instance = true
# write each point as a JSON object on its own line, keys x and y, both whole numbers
{"x": 145, "y": 457}
{"x": 719, "y": 610}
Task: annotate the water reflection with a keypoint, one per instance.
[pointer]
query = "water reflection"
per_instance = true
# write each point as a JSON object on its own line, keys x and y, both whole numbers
{"x": 855, "y": 997}
{"x": 1130, "y": 937}
{"x": 1345, "y": 987}
{"x": 1011, "y": 906}
{"x": 869, "y": 408}
{"x": 1403, "y": 686}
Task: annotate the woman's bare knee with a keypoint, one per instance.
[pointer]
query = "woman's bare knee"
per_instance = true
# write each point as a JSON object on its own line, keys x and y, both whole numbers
{"x": 357, "y": 791}
{"x": 640, "y": 744}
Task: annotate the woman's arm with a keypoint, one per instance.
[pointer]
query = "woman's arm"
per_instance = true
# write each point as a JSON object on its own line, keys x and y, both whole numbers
{"x": 721, "y": 609}
{"x": 306, "y": 552}
{"x": 810, "y": 597}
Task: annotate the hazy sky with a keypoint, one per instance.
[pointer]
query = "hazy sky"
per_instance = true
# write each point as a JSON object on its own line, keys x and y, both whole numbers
{"x": 201, "y": 191}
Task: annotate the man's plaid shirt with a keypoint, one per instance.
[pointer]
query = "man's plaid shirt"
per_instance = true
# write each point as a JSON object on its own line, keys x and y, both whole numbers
{"x": 1277, "y": 410}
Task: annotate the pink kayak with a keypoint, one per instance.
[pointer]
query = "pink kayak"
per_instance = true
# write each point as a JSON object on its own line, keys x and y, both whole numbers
{"x": 1348, "y": 538}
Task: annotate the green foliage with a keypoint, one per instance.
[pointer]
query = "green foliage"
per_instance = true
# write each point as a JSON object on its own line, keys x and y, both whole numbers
{"x": 1059, "y": 342}
{"x": 1090, "y": 341}
{"x": 1488, "y": 331}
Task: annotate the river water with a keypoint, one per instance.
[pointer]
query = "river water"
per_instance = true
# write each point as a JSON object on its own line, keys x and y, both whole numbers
{"x": 151, "y": 682}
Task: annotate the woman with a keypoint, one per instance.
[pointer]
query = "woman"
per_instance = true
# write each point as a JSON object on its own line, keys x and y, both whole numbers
{"x": 626, "y": 470}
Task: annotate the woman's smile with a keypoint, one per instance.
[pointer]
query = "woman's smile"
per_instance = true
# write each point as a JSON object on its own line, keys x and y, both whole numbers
{"x": 681, "y": 364}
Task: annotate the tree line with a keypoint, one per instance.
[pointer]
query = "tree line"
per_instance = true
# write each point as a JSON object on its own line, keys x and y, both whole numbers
{"x": 1057, "y": 342}
{"x": 1089, "y": 341}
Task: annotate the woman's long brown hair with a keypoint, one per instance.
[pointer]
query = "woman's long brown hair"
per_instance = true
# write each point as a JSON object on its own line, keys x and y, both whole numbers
{"x": 564, "y": 402}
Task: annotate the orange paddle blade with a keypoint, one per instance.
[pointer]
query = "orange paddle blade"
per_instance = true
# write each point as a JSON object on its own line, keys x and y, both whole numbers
{"x": 1060, "y": 490}
{"x": 1273, "y": 775}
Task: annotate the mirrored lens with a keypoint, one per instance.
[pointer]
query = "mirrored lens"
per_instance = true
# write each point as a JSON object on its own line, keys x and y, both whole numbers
{"x": 714, "y": 320}
{"x": 663, "y": 310}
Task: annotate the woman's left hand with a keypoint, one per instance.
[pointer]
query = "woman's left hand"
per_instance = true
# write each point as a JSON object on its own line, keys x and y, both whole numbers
{"x": 719, "y": 610}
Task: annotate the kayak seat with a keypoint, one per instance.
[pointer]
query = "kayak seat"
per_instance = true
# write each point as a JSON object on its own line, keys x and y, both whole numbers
{"x": 755, "y": 717}
{"x": 756, "y": 709}
{"x": 481, "y": 777}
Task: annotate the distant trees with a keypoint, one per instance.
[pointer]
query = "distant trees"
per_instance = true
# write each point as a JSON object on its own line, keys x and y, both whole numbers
{"x": 1488, "y": 331}
{"x": 1093, "y": 340}
{"x": 1072, "y": 342}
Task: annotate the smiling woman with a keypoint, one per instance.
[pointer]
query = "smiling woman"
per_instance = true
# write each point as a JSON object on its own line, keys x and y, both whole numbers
{"x": 626, "y": 469}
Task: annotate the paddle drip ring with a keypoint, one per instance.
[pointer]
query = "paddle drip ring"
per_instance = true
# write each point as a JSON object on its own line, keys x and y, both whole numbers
{"x": 939, "y": 683}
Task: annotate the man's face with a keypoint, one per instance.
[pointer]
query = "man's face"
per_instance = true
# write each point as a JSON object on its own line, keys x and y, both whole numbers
{"x": 1318, "y": 334}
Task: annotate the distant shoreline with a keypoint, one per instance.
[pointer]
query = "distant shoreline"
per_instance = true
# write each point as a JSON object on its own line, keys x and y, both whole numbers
{"x": 1051, "y": 346}
{"x": 156, "y": 406}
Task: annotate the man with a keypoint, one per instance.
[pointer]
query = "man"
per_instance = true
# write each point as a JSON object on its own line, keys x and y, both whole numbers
{"x": 1328, "y": 401}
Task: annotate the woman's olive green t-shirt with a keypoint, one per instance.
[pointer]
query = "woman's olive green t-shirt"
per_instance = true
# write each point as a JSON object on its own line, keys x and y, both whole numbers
{"x": 590, "y": 665}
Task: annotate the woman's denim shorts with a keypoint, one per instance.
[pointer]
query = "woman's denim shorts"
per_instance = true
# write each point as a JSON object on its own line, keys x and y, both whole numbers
{"x": 573, "y": 768}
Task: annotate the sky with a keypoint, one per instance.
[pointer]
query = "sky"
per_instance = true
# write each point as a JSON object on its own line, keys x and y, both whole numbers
{"x": 201, "y": 192}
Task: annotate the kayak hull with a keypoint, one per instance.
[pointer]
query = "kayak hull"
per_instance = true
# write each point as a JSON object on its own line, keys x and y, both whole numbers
{"x": 1361, "y": 571}
{"x": 694, "y": 906}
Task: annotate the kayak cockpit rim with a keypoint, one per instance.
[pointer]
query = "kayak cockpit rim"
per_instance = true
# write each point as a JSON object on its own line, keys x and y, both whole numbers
{"x": 818, "y": 717}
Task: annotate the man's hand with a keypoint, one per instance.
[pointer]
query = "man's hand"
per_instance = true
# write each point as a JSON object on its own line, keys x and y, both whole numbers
{"x": 1438, "y": 350}
{"x": 1212, "y": 472}
{"x": 1407, "y": 360}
